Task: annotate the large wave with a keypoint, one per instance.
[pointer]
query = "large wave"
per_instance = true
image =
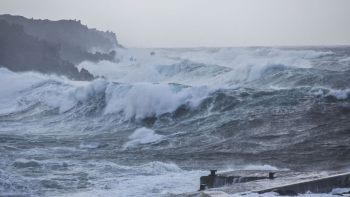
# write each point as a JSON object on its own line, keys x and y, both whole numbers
{"x": 139, "y": 100}
{"x": 199, "y": 108}
{"x": 200, "y": 66}
{"x": 153, "y": 86}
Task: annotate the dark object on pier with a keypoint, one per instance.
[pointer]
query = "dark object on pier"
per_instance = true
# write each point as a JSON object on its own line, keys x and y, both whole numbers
{"x": 153, "y": 53}
{"x": 202, "y": 187}
{"x": 272, "y": 175}
{"x": 212, "y": 172}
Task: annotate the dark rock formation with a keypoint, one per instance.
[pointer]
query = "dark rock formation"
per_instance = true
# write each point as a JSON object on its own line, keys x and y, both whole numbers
{"x": 22, "y": 52}
{"x": 76, "y": 55}
{"x": 76, "y": 40}
{"x": 85, "y": 75}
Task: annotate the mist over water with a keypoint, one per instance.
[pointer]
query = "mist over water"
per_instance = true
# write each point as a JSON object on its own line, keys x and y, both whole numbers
{"x": 171, "y": 117}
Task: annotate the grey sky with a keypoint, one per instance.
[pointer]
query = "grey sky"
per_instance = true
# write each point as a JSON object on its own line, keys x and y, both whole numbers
{"x": 194, "y": 23}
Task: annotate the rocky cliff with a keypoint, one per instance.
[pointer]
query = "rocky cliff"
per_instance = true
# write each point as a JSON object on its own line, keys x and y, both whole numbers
{"x": 22, "y": 52}
{"x": 78, "y": 42}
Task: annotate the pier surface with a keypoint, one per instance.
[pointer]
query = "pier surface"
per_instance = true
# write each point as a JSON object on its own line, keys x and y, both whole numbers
{"x": 320, "y": 185}
{"x": 245, "y": 181}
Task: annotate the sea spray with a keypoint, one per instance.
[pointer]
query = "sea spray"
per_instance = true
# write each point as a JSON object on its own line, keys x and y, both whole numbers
{"x": 170, "y": 118}
{"x": 142, "y": 136}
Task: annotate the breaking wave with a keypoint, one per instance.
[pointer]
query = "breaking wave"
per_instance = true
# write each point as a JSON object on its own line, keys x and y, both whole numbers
{"x": 170, "y": 116}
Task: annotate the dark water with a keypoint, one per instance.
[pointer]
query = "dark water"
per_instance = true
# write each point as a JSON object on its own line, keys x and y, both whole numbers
{"x": 155, "y": 121}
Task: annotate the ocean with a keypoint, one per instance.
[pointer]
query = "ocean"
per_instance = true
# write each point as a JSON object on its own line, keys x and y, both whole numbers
{"x": 155, "y": 123}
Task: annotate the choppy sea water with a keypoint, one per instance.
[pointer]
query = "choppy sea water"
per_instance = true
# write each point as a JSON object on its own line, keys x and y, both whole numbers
{"x": 153, "y": 126}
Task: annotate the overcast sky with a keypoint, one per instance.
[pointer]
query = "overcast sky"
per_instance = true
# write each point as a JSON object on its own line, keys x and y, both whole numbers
{"x": 196, "y": 23}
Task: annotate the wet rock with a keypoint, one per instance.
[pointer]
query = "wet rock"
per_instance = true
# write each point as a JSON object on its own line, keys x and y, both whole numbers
{"x": 85, "y": 75}
{"x": 30, "y": 164}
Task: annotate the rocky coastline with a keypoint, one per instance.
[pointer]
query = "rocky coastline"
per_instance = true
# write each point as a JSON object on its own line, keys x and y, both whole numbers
{"x": 53, "y": 47}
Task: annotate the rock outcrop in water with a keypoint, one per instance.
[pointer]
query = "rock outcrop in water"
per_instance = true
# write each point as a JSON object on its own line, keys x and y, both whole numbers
{"x": 22, "y": 52}
{"x": 76, "y": 40}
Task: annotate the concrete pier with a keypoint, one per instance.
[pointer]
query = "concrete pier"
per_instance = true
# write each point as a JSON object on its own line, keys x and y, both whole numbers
{"x": 283, "y": 182}
{"x": 321, "y": 185}
{"x": 218, "y": 180}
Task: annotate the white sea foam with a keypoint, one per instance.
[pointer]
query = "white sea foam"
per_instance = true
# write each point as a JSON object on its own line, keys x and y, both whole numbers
{"x": 17, "y": 89}
{"x": 90, "y": 145}
{"x": 253, "y": 167}
{"x": 340, "y": 94}
{"x": 142, "y": 136}
{"x": 347, "y": 59}
{"x": 247, "y": 65}
{"x": 319, "y": 93}
{"x": 70, "y": 98}
{"x": 156, "y": 179}
{"x": 140, "y": 100}
{"x": 261, "y": 167}
{"x": 143, "y": 100}
{"x": 204, "y": 70}
{"x": 231, "y": 57}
